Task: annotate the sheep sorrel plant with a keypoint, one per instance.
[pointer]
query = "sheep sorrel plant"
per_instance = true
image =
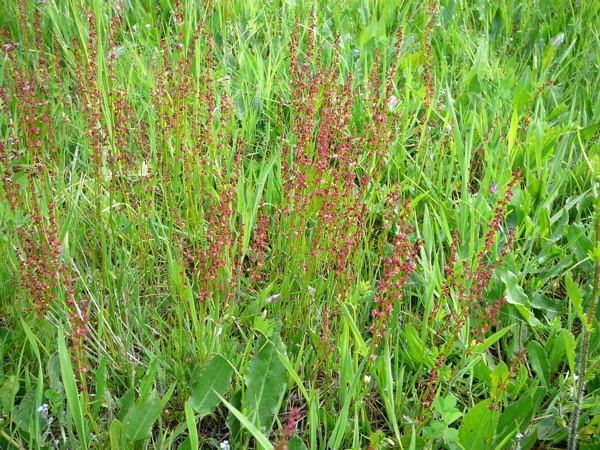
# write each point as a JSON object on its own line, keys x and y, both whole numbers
{"x": 325, "y": 225}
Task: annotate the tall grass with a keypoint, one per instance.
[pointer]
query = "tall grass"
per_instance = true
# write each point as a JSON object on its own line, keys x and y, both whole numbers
{"x": 240, "y": 224}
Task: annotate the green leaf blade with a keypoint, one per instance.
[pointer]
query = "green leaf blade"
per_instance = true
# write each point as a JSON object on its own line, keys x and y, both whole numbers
{"x": 215, "y": 379}
{"x": 266, "y": 378}
{"x": 139, "y": 420}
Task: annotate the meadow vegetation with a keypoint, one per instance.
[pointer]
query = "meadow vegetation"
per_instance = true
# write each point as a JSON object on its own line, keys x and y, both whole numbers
{"x": 292, "y": 224}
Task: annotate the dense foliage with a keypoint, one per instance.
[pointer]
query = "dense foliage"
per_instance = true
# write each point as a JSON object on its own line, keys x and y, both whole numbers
{"x": 289, "y": 224}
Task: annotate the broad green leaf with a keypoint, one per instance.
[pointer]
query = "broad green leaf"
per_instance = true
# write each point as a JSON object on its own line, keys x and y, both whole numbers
{"x": 191, "y": 425}
{"x": 24, "y": 413}
{"x": 362, "y": 347}
{"x": 215, "y": 379}
{"x": 499, "y": 376}
{"x": 438, "y": 405}
{"x": 451, "y": 417}
{"x": 7, "y": 393}
{"x": 313, "y": 416}
{"x": 527, "y": 315}
{"x": 512, "y": 131}
{"x": 293, "y": 374}
{"x": 487, "y": 343}
{"x": 296, "y": 443}
{"x": 266, "y": 378}
{"x": 74, "y": 403}
{"x": 125, "y": 403}
{"x": 100, "y": 387}
{"x": 478, "y": 427}
{"x": 148, "y": 380}
{"x": 261, "y": 438}
{"x": 447, "y": 409}
{"x": 516, "y": 416}
{"x": 450, "y": 434}
{"x": 232, "y": 422}
{"x": 575, "y": 296}
{"x": 264, "y": 326}
{"x": 570, "y": 348}
{"x": 116, "y": 435}
{"x": 53, "y": 369}
{"x": 539, "y": 360}
{"x": 140, "y": 418}
{"x": 416, "y": 349}
{"x": 449, "y": 402}
{"x": 514, "y": 293}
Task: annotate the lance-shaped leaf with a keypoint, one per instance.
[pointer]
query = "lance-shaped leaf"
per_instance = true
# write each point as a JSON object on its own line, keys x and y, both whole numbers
{"x": 266, "y": 378}
{"x": 215, "y": 379}
{"x": 140, "y": 418}
{"x": 478, "y": 427}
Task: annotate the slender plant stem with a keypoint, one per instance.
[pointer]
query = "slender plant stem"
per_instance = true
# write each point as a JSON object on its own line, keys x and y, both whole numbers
{"x": 586, "y": 341}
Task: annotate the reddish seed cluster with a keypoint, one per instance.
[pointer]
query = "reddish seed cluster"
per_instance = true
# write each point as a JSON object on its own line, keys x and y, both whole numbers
{"x": 486, "y": 140}
{"x": 477, "y": 160}
{"x": 381, "y": 129}
{"x": 489, "y": 315}
{"x": 29, "y": 94}
{"x": 428, "y": 78}
{"x": 468, "y": 288}
{"x": 320, "y": 164}
{"x": 78, "y": 317}
{"x": 326, "y": 332}
{"x": 396, "y": 270}
{"x": 317, "y": 171}
{"x": 428, "y": 386}
{"x": 288, "y": 429}
{"x": 532, "y": 102}
{"x": 494, "y": 224}
{"x": 186, "y": 99}
{"x": 212, "y": 259}
{"x": 517, "y": 362}
{"x": 260, "y": 244}
{"x": 429, "y": 81}
{"x": 389, "y": 85}
{"x": 470, "y": 291}
{"x": 128, "y": 152}
{"x": 450, "y": 268}
{"x": 10, "y": 188}
{"x": 39, "y": 260}
{"x": 42, "y": 277}
{"x": 325, "y": 180}
{"x": 322, "y": 179}
{"x": 86, "y": 73}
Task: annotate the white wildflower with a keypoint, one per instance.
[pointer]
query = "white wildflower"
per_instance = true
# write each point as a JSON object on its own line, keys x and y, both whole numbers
{"x": 43, "y": 410}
